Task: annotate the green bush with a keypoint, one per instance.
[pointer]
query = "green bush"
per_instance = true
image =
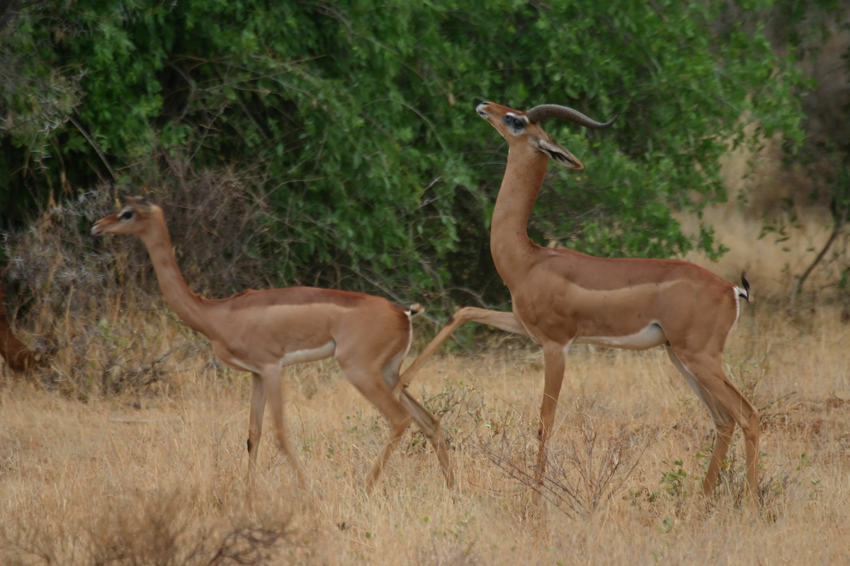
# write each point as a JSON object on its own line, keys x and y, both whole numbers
{"x": 354, "y": 124}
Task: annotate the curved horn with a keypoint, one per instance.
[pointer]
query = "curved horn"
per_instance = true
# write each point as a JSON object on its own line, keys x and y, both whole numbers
{"x": 555, "y": 111}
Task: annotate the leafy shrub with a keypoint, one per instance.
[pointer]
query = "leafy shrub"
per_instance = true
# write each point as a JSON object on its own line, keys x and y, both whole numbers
{"x": 355, "y": 122}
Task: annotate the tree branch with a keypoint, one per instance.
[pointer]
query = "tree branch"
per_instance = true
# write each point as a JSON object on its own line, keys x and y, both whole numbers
{"x": 839, "y": 221}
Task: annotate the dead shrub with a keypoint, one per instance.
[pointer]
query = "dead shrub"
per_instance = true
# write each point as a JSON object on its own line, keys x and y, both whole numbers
{"x": 459, "y": 407}
{"x": 587, "y": 465}
{"x": 452, "y": 552}
{"x": 160, "y": 529}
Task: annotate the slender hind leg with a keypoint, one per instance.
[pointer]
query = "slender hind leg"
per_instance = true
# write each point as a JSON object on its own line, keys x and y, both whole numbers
{"x": 377, "y": 392}
{"x": 427, "y": 423}
{"x": 727, "y": 405}
{"x": 724, "y": 424}
{"x": 502, "y": 320}
{"x": 723, "y": 436}
{"x": 430, "y": 427}
{"x": 272, "y": 382}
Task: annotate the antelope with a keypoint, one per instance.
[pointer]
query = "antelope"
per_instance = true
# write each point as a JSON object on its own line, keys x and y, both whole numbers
{"x": 561, "y": 297}
{"x": 263, "y": 331}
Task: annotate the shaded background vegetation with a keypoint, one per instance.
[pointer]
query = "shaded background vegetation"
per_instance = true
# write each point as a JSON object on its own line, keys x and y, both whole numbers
{"x": 336, "y": 144}
{"x": 351, "y": 125}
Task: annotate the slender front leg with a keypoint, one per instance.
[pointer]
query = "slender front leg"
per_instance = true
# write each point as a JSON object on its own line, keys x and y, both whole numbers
{"x": 255, "y": 422}
{"x": 553, "y": 359}
{"x": 502, "y": 320}
{"x": 272, "y": 382}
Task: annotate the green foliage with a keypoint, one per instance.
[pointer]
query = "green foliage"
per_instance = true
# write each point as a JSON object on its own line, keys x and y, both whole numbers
{"x": 355, "y": 121}
{"x": 675, "y": 481}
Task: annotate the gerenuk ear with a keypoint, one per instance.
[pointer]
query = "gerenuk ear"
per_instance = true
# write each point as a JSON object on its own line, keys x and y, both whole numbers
{"x": 558, "y": 154}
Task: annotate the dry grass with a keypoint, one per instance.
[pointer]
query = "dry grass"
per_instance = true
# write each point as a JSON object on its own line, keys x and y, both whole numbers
{"x": 131, "y": 449}
{"x": 157, "y": 477}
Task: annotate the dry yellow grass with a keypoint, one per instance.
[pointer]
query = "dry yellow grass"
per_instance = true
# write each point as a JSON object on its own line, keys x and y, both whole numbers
{"x": 160, "y": 478}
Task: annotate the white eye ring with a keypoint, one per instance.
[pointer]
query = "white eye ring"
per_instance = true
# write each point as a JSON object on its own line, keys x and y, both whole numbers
{"x": 514, "y": 123}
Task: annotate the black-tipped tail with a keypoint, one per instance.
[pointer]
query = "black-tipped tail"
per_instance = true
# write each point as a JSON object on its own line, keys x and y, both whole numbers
{"x": 415, "y": 309}
{"x": 746, "y": 291}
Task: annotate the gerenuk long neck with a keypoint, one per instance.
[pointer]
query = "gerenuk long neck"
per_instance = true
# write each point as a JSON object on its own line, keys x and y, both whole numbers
{"x": 512, "y": 250}
{"x": 188, "y": 306}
